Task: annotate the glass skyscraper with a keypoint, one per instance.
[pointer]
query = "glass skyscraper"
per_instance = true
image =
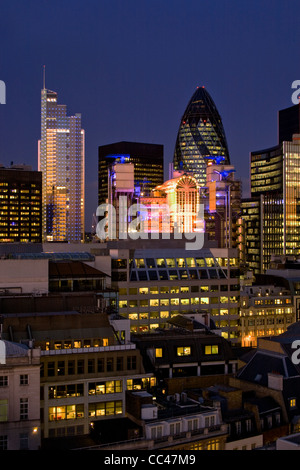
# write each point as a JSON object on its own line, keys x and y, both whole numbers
{"x": 201, "y": 137}
{"x": 61, "y": 160}
{"x": 272, "y": 215}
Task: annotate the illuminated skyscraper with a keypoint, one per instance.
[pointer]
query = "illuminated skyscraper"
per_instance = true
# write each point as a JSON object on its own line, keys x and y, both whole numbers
{"x": 61, "y": 161}
{"x": 201, "y": 137}
{"x": 272, "y": 215}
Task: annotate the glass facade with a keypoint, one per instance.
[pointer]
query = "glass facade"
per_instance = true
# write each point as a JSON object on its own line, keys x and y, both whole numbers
{"x": 275, "y": 186}
{"x": 201, "y": 137}
{"x": 61, "y": 160}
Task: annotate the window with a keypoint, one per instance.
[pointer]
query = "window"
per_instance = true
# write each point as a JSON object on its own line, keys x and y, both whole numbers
{"x": 3, "y": 410}
{"x": 156, "y": 432}
{"x": 71, "y": 367}
{"x": 23, "y": 409}
{"x": 50, "y": 369}
{"x": 61, "y": 368}
{"x": 3, "y": 442}
{"x": 292, "y": 402}
{"x": 212, "y": 349}
{"x": 120, "y": 363}
{"x": 174, "y": 428}
{"x": 100, "y": 365}
{"x": 184, "y": 351}
{"x": 110, "y": 364}
{"x": 158, "y": 352}
{"x": 3, "y": 381}
{"x": 131, "y": 362}
{"x": 24, "y": 441}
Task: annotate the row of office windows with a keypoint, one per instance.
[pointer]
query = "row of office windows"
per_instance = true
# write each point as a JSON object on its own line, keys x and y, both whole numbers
{"x": 72, "y": 412}
{"x": 154, "y": 290}
{"x": 177, "y": 301}
{"x": 90, "y": 366}
{"x": 187, "y": 350}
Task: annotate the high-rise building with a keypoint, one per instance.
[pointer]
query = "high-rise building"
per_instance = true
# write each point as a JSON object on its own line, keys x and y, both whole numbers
{"x": 61, "y": 161}
{"x": 147, "y": 160}
{"x": 288, "y": 123}
{"x": 20, "y": 204}
{"x": 201, "y": 137}
{"x": 275, "y": 189}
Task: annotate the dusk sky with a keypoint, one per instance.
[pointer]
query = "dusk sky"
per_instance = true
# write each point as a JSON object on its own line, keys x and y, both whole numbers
{"x": 131, "y": 66}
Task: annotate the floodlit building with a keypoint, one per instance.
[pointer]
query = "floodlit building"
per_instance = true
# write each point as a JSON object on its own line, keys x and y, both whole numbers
{"x": 201, "y": 137}
{"x": 61, "y": 160}
{"x": 173, "y": 207}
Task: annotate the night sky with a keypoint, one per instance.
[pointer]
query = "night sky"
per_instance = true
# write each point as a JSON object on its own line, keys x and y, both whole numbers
{"x": 131, "y": 66}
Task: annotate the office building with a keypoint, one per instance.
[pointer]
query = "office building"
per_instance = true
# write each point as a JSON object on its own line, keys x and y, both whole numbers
{"x": 61, "y": 161}
{"x": 158, "y": 279}
{"x": 85, "y": 365}
{"x": 267, "y": 309}
{"x": 271, "y": 216}
{"x": 201, "y": 137}
{"x": 147, "y": 160}
{"x": 20, "y": 204}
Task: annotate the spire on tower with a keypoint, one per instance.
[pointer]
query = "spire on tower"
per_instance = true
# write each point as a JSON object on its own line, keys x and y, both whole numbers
{"x": 44, "y": 77}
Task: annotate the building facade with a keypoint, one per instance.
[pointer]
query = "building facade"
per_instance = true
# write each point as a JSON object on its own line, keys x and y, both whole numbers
{"x": 20, "y": 425}
{"x": 275, "y": 196}
{"x": 157, "y": 279}
{"x": 201, "y": 137}
{"x": 147, "y": 160}
{"x": 266, "y": 310}
{"x": 62, "y": 163}
{"x": 20, "y": 204}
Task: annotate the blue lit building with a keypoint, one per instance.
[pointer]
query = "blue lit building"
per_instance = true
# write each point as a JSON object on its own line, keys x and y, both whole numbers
{"x": 146, "y": 158}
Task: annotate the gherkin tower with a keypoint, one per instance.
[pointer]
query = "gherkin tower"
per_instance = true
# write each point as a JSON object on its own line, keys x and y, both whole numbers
{"x": 201, "y": 137}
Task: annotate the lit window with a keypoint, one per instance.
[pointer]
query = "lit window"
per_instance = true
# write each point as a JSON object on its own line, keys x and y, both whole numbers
{"x": 158, "y": 352}
{"x": 184, "y": 351}
{"x": 292, "y": 402}
{"x": 212, "y": 349}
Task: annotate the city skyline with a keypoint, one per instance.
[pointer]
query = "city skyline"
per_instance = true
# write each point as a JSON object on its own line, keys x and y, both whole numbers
{"x": 131, "y": 83}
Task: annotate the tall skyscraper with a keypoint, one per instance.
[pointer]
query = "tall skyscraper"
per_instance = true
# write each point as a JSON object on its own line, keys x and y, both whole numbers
{"x": 147, "y": 159}
{"x": 61, "y": 161}
{"x": 272, "y": 215}
{"x": 201, "y": 137}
